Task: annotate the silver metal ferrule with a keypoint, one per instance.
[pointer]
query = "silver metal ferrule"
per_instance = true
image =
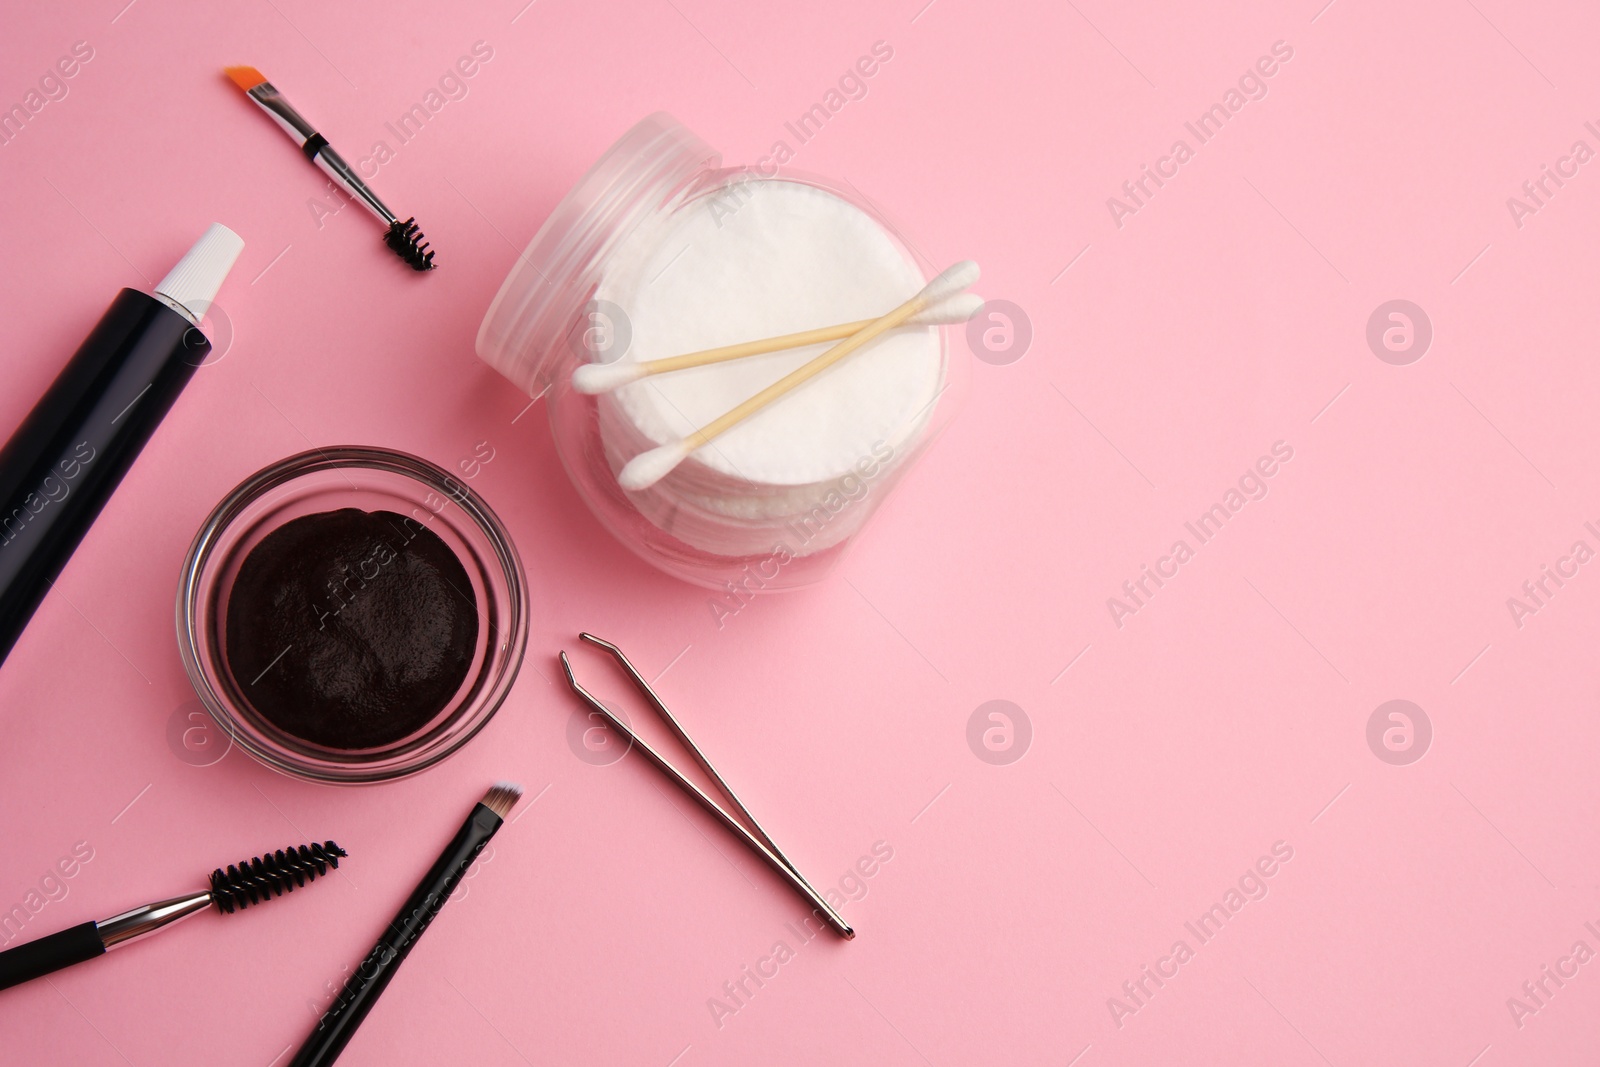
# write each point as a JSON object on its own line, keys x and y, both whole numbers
{"x": 272, "y": 102}
{"x": 330, "y": 162}
{"x": 140, "y": 922}
{"x": 333, "y": 165}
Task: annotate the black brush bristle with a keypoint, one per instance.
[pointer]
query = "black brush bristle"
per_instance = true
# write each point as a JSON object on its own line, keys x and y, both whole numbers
{"x": 408, "y": 244}
{"x": 274, "y": 874}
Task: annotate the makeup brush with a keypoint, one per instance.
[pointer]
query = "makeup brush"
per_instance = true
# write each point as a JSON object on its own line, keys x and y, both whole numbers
{"x": 233, "y": 889}
{"x": 338, "y": 1024}
{"x": 648, "y": 468}
{"x": 594, "y": 378}
{"x": 403, "y": 237}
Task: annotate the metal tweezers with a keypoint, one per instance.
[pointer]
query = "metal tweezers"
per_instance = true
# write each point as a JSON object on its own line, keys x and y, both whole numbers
{"x": 755, "y": 836}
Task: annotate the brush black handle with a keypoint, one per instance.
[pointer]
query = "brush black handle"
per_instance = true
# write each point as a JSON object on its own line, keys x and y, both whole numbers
{"x": 70, "y": 453}
{"x": 338, "y": 1024}
{"x": 37, "y": 958}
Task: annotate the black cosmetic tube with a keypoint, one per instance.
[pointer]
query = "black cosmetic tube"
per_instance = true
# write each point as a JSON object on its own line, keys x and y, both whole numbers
{"x": 69, "y": 455}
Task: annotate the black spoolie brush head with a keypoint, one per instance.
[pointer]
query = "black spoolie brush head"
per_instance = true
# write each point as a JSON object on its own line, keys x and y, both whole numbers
{"x": 274, "y": 874}
{"x": 408, "y": 244}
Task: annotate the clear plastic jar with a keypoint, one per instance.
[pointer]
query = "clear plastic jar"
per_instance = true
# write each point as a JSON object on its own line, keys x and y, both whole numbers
{"x": 775, "y": 502}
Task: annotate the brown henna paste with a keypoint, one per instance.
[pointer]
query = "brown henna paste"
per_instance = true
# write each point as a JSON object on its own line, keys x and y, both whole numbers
{"x": 351, "y": 629}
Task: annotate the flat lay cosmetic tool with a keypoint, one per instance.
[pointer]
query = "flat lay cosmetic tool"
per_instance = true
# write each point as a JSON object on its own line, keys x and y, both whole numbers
{"x": 69, "y": 455}
{"x": 754, "y": 836}
{"x": 595, "y": 378}
{"x": 372, "y": 976}
{"x": 232, "y": 889}
{"x": 648, "y": 468}
{"x": 403, "y": 238}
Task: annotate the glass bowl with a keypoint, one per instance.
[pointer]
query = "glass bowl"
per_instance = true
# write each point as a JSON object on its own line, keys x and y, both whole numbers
{"x": 371, "y": 479}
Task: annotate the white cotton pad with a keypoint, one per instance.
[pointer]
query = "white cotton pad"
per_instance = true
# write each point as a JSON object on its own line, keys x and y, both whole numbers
{"x": 775, "y": 257}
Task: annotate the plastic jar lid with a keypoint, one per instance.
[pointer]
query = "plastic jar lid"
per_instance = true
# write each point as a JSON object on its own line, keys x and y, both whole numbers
{"x": 653, "y": 165}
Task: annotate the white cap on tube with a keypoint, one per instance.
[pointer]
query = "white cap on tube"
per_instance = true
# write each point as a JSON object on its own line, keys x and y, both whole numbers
{"x": 192, "y": 285}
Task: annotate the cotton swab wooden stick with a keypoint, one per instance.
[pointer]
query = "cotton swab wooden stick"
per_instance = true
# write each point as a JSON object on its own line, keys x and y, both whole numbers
{"x": 594, "y": 378}
{"x": 648, "y": 468}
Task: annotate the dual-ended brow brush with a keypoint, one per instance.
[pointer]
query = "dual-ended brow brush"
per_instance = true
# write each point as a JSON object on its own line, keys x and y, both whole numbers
{"x": 403, "y": 237}
{"x": 232, "y": 889}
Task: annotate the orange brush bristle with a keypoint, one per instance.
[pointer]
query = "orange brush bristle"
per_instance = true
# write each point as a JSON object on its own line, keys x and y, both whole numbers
{"x": 245, "y": 78}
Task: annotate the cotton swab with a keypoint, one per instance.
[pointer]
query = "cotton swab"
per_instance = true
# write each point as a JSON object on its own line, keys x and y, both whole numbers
{"x": 596, "y": 378}
{"x": 648, "y": 468}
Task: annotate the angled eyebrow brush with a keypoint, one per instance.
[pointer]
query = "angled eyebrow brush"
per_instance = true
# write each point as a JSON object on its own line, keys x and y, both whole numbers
{"x": 234, "y": 889}
{"x": 361, "y": 991}
{"x": 403, "y": 238}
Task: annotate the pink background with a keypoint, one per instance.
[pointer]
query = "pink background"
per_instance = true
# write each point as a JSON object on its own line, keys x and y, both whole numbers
{"x": 1168, "y": 354}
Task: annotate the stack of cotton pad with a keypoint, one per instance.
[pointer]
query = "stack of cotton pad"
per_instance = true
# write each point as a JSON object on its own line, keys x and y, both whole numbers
{"x": 773, "y": 257}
